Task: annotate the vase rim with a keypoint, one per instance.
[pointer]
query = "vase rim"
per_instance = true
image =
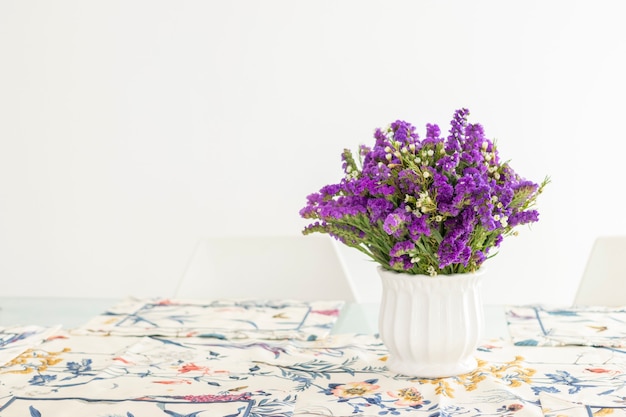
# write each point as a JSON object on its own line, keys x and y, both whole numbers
{"x": 479, "y": 271}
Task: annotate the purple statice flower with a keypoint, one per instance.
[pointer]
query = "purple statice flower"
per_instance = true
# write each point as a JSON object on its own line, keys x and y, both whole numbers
{"x": 445, "y": 194}
{"x": 381, "y": 139}
{"x": 523, "y": 189}
{"x": 457, "y": 131}
{"x": 472, "y": 145}
{"x": 523, "y": 217}
{"x": 378, "y": 209}
{"x": 425, "y": 206}
{"x": 375, "y": 161}
{"x": 418, "y": 227}
{"x": 479, "y": 256}
{"x": 350, "y": 186}
{"x": 403, "y": 132}
{"x": 504, "y": 194}
{"x": 340, "y": 207}
{"x": 330, "y": 190}
{"x": 432, "y": 135}
{"x": 402, "y": 248}
{"x": 394, "y": 224}
{"x": 401, "y": 263}
{"x": 453, "y": 251}
{"x": 448, "y": 163}
{"x": 455, "y": 247}
{"x": 408, "y": 182}
{"x": 385, "y": 190}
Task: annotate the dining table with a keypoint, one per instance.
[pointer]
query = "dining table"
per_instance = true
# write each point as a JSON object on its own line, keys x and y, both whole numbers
{"x": 255, "y": 358}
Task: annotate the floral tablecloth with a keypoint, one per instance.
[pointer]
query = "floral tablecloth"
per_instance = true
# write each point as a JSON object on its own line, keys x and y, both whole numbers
{"x": 220, "y": 319}
{"x": 558, "y": 326}
{"x": 62, "y": 372}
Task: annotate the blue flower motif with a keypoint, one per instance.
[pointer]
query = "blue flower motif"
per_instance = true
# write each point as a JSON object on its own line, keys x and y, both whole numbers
{"x": 42, "y": 379}
{"x": 78, "y": 368}
{"x": 550, "y": 389}
{"x": 565, "y": 378}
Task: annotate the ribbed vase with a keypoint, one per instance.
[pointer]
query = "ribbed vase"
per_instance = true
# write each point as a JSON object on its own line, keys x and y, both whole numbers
{"x": 431, "y": 325}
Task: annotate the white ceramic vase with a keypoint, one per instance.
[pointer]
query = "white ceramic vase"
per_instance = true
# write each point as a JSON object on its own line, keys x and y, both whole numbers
{"x": 431, "y": 325}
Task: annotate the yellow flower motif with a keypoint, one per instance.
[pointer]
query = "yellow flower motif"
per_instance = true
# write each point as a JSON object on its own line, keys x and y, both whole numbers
{"x": 442, "y": 386}
{"x": 33, "y": 361}
{"x": 407, "y": 397}
{"x": 354, "y": 389}
{"x": 513, "y": 373}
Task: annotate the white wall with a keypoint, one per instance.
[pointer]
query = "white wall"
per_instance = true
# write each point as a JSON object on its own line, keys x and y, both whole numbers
{"x": 130, "y": 128}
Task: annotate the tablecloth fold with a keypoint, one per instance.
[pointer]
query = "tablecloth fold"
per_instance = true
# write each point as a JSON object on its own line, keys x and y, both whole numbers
{"x": 553, "y": 326}
{"x": 219, "y": 319}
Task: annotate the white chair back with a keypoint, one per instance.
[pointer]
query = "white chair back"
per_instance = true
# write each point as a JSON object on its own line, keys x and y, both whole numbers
{"x": 306, "y": 268}
{"x": 604, "y": 280}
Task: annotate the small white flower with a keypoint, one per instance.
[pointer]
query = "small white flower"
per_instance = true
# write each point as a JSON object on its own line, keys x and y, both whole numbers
{"x": 431, "y": 271}
{"x": 412, "y": 147}
{"x": 349, "y": 169}
{"x": 417, "y": 160}
{"x": 430, "y": 152}
{"x": 388, "y": 157}
{"x": 496, "y": 217}
{"x": 484, "y": 145}
{"x": 496, "y": 175}
{"x": 426, "y": 174}
{"x": 415, "y": 259}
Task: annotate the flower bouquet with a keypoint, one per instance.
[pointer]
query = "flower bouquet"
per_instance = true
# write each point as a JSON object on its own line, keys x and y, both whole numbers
{"x": 425, "y": 206}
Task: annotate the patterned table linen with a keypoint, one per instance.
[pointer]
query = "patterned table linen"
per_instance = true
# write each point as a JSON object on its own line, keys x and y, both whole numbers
{"x": 251, "y": 359}
{"x": 588, "y": 326}
{"x": 15, "y": 340}
{"x": 554, "y": 406}
{"x": 342, "y": 375}
{"x": 219, "y": 319}
{"x": 62, "y": 363}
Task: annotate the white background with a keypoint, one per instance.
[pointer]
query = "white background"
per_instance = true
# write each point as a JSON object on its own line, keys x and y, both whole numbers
{"x": 128, "y": 129}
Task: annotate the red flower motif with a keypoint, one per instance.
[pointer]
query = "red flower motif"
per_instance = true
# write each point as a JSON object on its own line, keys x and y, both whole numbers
{"x": 332, "y": 313}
